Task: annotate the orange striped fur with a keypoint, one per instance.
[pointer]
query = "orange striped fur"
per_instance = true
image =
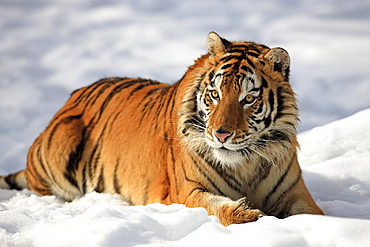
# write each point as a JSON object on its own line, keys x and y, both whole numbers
{"x": 223, "y": 137}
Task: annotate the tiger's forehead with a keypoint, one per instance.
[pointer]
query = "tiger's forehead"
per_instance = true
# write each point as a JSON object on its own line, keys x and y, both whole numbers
{"x": 238, "y": 67}
{"x": 237, "y": 72}
{"x": 248, "y": 50}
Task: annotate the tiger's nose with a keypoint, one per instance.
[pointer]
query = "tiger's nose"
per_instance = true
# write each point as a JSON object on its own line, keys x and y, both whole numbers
{"x": 222, "y": 135}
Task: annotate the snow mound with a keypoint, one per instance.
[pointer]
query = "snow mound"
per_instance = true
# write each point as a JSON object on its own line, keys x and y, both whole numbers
{"x": 334, "y": 160}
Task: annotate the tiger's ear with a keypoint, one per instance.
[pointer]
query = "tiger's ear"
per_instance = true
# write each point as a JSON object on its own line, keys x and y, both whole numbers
{"x": 216, "y": 44}
{"x": 280, "y": 61}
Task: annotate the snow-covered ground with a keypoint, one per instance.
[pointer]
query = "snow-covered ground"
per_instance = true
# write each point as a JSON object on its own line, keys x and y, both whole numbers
{"x": 335, "y": 162}
{"x": 49, "y": 48}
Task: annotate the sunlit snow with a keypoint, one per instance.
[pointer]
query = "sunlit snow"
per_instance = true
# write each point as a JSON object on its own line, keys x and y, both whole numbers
{"x": 50, "y": 48}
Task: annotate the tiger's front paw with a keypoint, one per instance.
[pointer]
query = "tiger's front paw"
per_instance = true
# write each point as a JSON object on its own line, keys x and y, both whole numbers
{"x": 240, "y": 213}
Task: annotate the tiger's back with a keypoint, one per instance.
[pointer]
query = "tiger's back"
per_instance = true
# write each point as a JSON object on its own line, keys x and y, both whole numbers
{"x": 99, "y": 139}
{"x": 223, "y": 137}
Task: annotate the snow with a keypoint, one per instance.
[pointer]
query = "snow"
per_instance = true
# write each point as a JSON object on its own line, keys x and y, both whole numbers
{"x": 336, "y": 173}
{"x": 50, "y": 48}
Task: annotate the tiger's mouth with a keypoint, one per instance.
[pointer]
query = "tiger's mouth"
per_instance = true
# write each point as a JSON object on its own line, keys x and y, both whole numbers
{"x": 228, "y": 153}
{"x": 227, "y": 147}
{"x": 227, "y": 156}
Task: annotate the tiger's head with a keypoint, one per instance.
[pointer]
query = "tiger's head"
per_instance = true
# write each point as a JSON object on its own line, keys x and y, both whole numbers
{"x": 241, "y": 104}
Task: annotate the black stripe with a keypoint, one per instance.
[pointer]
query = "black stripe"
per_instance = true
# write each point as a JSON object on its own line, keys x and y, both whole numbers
{"x": 106, "y": 81}
{"x": 228, "y": 58}
{"x": 203, "y": 173}
{"x": 267, "y": 121}
{"x": 116, "y": 185}
{"x": 65, "y": 120}
{"x": 149, "y": 105}
{"x": 34, "y": 174}
{"x": 175, "y": 175}
{"x": 226, "y": 66}
{"x": 144, "y": 199}
{"x": 231, "y": 181}
{"x": 98, "y": 94}
{"x": 166, "y": 92}
{"x": 141, "y": 86}
{"x": 259, "y": 110}
{"x": 71, "y": 179}
{"x": 99, "y": 113}
{"x": 281, "y": 103}
{"x": 279, "y": 136}
{"x": 271, "y": 100}
{"x": 264, "y": 169}
{"x": 10, "y": 180}
{"x": 112, "y": 119}
{"x": 200, "y": 186}
{"x": 247, "y": 69}
{"x": 117, "y": 89}
{"x": 84, "y": 177}
{"x": 211, "y": 75}
{"x": 161, "y": 101}
{"x": 90, "y": 90}
{"x": 87, "y": 92}
{"x": 75, "y": 156}
{"x": 280, "y": 181}
{"x": 245, "y": 46}
{"x": 95, "y": 157}
{"x": 81, "y": 96}
{"x": 253, "y": 54}
{"x": 49, "y": 174}
{"x": 168, "y": 184}
{"x": 100, "y": 187}
{"x": 72, "y": 164}
{"x": 42, "y": 190}
{"x": 250, "y": 63}
{"x": 114, "y": 92}
{"x": 152, "y": 91}
{"x": 40, "y": 161}
{"x": 264, "y": 82}
{"x": 173, "y": 99}
{"x": 236, "y": 50}
{"x": 284, "y": 212}
{"x": 40, "y": 180}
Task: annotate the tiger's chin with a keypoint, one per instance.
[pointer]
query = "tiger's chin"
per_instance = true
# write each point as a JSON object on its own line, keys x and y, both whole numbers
{"x": 228, "y": 157}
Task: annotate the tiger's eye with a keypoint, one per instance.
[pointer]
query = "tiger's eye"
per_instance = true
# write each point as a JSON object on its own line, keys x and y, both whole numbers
{"x": 214, "y": 94}
{"x": 249, "y": 99}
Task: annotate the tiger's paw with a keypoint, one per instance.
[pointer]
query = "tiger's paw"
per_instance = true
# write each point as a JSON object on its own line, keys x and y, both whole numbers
{"x": 240, "y": 213}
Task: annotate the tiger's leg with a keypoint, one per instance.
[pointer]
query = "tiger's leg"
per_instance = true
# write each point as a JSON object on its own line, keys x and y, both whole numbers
{"x": 36, "y": 170}
{"x": 297, "y": 200}
{"x": 54, "y": 159}
{"x": 289, "y": 196}
{"x": 227, "y": 211}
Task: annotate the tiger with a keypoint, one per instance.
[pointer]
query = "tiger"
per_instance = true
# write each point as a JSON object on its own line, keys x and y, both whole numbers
{"x": 223, "y": 137}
